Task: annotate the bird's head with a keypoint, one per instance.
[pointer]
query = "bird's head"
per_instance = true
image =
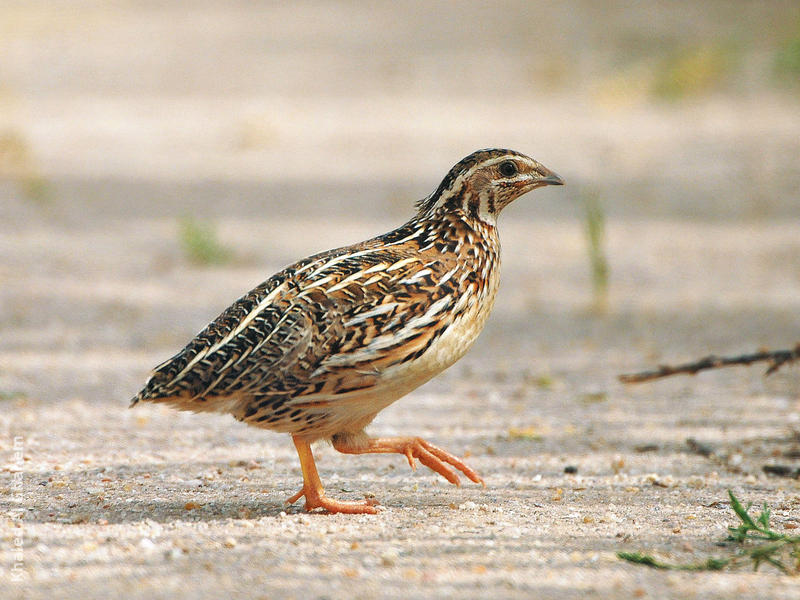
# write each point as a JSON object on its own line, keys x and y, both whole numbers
{"x": 485, "y": 182}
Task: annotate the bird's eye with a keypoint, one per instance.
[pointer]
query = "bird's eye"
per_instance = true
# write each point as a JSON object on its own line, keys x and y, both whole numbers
{"x": 508, "y": 169}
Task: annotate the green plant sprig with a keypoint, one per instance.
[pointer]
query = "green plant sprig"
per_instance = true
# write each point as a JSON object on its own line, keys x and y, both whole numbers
{"x": 201, "y": 244}
{"x": 769, "y": 547}
{"x": 594, "y": 228}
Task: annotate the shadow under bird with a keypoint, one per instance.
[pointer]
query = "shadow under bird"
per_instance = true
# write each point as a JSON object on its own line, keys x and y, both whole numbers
{"x": 321, "y": 347}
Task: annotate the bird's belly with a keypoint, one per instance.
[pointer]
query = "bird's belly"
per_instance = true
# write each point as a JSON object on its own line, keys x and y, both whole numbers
{"x": 352, "y": 412}
{"x": 450, "y": 346}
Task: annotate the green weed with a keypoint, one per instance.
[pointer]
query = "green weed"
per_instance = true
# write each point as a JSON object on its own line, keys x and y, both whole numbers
{"x": 755, "y": 542}
{"x": 200, "y": 243}
{"x": 594, "y": 228}
{"x": 693, "y": 71}
{"x": 787, "y": 60}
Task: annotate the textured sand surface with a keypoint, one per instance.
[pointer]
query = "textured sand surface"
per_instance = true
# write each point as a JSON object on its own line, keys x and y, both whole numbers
{"x": 136, "y": 115}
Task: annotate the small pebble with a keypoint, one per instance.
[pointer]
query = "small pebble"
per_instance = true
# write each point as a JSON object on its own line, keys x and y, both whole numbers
{"x": 147, "y": 544}
{"x": 389, "y": 558}
{"x": 696, "y": 483}
{"x": 646, "y": 448}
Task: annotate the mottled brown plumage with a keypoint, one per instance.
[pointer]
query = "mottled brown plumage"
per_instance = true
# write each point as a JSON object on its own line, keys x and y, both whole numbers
{"x": 321, "y": 347}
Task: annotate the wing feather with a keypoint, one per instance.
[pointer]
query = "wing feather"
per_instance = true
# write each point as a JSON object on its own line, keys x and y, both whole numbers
{"x": 327, "y": 326}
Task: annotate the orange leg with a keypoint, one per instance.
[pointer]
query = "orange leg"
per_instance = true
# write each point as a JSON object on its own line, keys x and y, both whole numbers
{"x": 429, "y": 455}
{"x": 315, "y": 493}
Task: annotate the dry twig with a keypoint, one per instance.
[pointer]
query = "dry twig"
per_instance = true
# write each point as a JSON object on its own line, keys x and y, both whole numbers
{"x": 776, "y": 360}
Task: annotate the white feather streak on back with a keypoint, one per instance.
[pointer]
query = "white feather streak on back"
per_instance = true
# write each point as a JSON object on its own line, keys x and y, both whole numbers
{"x": 233, "y": 333}
{"x": 386, "y": 340}
{"x": 401, "y": 263}
{"x": 446, "y": 277}
{"x": 372, "y": 280}
{"x": 346, "y": 281}
{"x": 376, "y": 268}
{"x": 350, "y": 255}
{"x": 417, "y": 276}
{"x": 373, "y": 312}
{"x": 318, "y": 282}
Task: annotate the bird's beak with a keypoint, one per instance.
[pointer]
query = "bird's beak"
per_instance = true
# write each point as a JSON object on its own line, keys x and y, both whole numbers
{"x": 551, "y": 179}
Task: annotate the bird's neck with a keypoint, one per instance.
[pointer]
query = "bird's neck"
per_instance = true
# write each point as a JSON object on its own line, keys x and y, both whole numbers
{"x": 455, "y": 233}
{"x": 461, "y": 200}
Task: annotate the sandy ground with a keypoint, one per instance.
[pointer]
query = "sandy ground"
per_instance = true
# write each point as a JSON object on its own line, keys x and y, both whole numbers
{"x": 95, "y": 289}
{"x": 151, "y": 503}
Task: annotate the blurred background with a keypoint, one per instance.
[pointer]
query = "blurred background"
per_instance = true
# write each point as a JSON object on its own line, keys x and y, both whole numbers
{"x": 158, "y": 159}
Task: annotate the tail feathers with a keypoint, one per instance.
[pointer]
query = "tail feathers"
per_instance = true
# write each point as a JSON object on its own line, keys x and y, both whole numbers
{"x": 153, "y": 392}
{"x": 197, "y": 404}
{"x": 160, "y": 385}
{"x": 183, "y": 394}
{"x": 146, "y": 395}
{"x": 177, "y": 401}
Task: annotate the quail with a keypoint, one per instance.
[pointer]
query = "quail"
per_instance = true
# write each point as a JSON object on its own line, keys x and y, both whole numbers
{"x": 321, "y": 347}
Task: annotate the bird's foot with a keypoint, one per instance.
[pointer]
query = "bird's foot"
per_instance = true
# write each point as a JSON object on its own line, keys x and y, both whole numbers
{"x": 317, "y": 499}
{"x": 429, "y": 455}
{"x": 314, "y": 492}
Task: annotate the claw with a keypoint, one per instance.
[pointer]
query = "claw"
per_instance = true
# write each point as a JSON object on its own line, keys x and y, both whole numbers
{"x": 410, "y": 457}
{"x": 296, "y": 497}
